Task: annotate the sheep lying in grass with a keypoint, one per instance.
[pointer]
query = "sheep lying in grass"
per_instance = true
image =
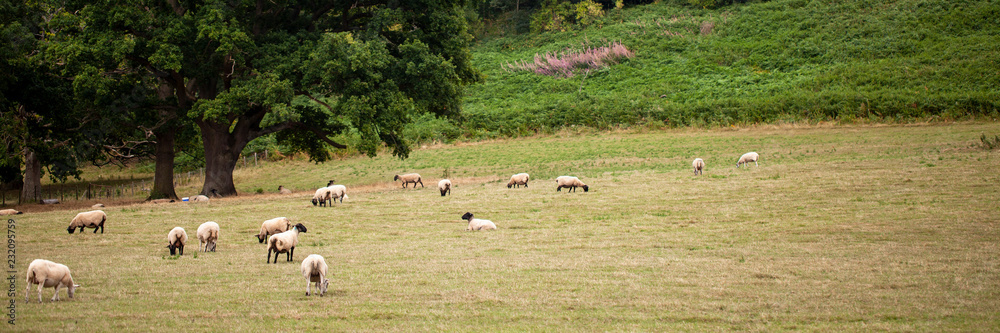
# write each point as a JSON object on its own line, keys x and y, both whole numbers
{"x": 9, "y": 212}
{"x": 208, "y": 234}
{"x": 283, "y": 190}
{"x": 478, "y": 224}
{"x": 92, "y": 219}
{"x": 97, "y": 205}
{"x": 45, "y": 273}
{"x": 571, "y": 183}
{"x": 409, "y": 178}
{"x": 444, "y": 186}
{"x": 322, "y": 197}
{"x": 517, "y": 180}
{"x": 314, "y": 270}
{"x": 284, "y": 243}
{"x": 747, "y": 158}
{"x": 338, "y": 192}
{"x": 273, "y": 226}
{"x": 699, "y": 165}
{"x": 199, "y": 198}
{"x": 176, "y": 240}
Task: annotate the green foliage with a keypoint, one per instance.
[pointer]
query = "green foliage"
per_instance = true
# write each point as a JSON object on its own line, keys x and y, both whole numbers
{"x": 563, "y": 15}
{"x": 987, "y": 143}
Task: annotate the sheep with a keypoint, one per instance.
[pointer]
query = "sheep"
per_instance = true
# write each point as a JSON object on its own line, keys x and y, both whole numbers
{"x": 478, "y": 224}
{"x": 570, "y": 182}
{"x": 199, "y": 198}
{"x": 338, "y": 192}
{"x": 176, "y": 240}
{"x": 409, "y": 178}
{"x": 699, "y": 165}
{"x": 322, "y": 197}
{"x": 92, "y": 219}
{"x": 747, "y": 158}
{"x": 518, "y": 179}
{"x": 283, "y": 190}
{"x": 444, "y": 186}
{"x": 273, "y": 226}
{"x": 97, "y": 205}
{"x": 10, "y": 212}
{"x": 284, "y": 243}
{"x": 208, "y": 234}
{"x": 314, "y": 270}
{"x": 45, "y": 273}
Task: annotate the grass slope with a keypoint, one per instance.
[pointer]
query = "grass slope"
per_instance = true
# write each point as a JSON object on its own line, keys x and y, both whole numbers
{"x": 843, "y": 228}
{"x": 773, "y": 62}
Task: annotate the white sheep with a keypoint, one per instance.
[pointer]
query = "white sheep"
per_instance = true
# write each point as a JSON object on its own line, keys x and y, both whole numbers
{"x": 517, "y": 180}
{"x": 322, "y": 197}
{"x": 478, "y": 224}
{"x": 10, "y": 212}
{"x": 92, "y": 219}
{"x": 571, "y": 183}
{"x": 698, "y": 165}
{"x": 198, "y": 198}
{"x": 444, "y": 186}
{"x": 314, "y": 270}
{"x": 273, "y": 226}
{"x": 45, "y": 273}
{"x": 176, "y": 240}
{"x": 409, "y": 178}
{"x": 97, "y": 205}
{"x": 284, "y": 243}
{"x": 337, "y": 192}
{"x": 283, "y": 190}
{"x": 747, "y": 158}
{"x": 208, "y": 234}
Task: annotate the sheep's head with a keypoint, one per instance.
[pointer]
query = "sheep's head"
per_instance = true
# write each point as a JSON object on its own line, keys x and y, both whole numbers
{"x": 173, "y": 249}
{"x": 300, "y": 227}
{"x": 467, "y": 216}
{"x": 210, "y": 246}
{"x": 329, "y": 183}
{"x": 72, "y": 289}
{"x": 261, "y": 238}
{"x": 395, "y": 178}
{"x": 71, "y": 229}
{"x": 509, "y": 185}
{"x": 315, "y": 202}
{"x": 586, "y": 188}
{"x": 323, "y": 286}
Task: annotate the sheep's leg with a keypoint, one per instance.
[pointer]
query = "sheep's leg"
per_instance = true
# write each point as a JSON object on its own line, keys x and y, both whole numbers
{"x": 308, "y": 284}
{"x": 269, "y": 255}
{"x": 27, "y": 291}
{"x": 102, "y": 228}
{"x": 182, "y": 250}
{"x": 291, "y": 252}
{"x": 755, "y": 163}
{"x": 421, "y": 184}
{"x": 40, "y": 286}
{"x": 56, "y": 296}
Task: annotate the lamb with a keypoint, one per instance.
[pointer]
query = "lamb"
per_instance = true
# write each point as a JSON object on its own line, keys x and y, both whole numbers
{"x": 208, "y": 234}
{"x": 444, "y": 186}
{"x": 273, "y": 226}
{"x": 314, "y": 270}
{"x": 518, "y": 179}
{"x": 477, "y": 224}
{"x": 199, "y": 198}
{"x": 338, "y": 192}
{"x": 747, "y": 158}
{"x": 176, "y": 240}
{"x": 570, "y": 182}
{"x": 92, "y": 219}
{"x": 699, "y": 165}
{"x": 322, "y": 197}
{"x": 284, "y": 243}
{"x": 10, "y": 212}
{"x": 283, "y": 190}
{"x": 409, "y": 178}
{"x": 45, "y": 273}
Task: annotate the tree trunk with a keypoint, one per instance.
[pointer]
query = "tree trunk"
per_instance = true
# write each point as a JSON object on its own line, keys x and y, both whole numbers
{"x": 163, "y": 179}
{"x": 32, "y": 189}
{"x": 222, "y": 151}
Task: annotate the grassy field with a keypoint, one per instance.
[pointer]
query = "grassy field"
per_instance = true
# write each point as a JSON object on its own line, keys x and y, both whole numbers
{"x": 863, "y": 228}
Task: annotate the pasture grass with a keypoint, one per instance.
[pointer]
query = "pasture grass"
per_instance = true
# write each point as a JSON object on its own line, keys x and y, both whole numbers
{"x": 840, "y": 228}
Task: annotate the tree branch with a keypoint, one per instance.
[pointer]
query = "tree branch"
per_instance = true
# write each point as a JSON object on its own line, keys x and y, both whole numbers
{"x": 177, "y": 7}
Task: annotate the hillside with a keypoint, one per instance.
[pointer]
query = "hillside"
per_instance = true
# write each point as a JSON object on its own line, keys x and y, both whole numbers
{"x": 772, "y": 62}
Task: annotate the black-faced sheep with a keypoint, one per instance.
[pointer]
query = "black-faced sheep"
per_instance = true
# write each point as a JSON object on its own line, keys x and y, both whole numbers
{"x": 314, "y": 270}
{"x": 45, "y": 273}
{"x": 273, "y": 226}
{"x": 444, "y": 186}
{"x": 478, "y": 224}
{"x": 176, "y": 240}
{"x": 517, "y": 180}
{"x": 409, "y": 178}
{"x": 698, "y": 165}
{"x": 571, "y": 183}
{"x": 322, "y": 197}
{"x": 9, "y": 212}
{"x": 283, "y": 190}
{"x": 92, "y": 219}
{"x": 747, "y": 158}
{"x": 208, "y": 234}
{"x": 337, "y": 192}
{"x": 284, "y": 242}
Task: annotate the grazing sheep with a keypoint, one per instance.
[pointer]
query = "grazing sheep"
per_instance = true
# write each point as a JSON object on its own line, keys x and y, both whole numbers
{"x": 45, "y": 273}
{"x": 699, "y": 165}
{"x": 199, "y": 198}
{"x": 9, "y": 212}
{"x": 314, "y": 270}
{"x": 338, "y": 192}
{"x": 409, "y": 178}
{"x": 570, "y": 182}
{"x": 517, "y": 180}
{"x": 208, "y": 234}
{"x": 444, "y": 186}
{"x": 322, "y": 197}
{"x": 159, "y": 201}
{"x": 273, "y": 226}
{"x": 176, "y": 240}
{"x": 283, "y": 190}
{"x": 284, "y": 243}
{"x": 92, "y": 219}
{"x": 477, "y": 224}
{"x": 97, "y": 205}
{"x": 747, "y": 158}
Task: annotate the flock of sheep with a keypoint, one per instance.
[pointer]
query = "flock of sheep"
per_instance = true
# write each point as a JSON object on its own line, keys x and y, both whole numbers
{"x": 280, "y": 234}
